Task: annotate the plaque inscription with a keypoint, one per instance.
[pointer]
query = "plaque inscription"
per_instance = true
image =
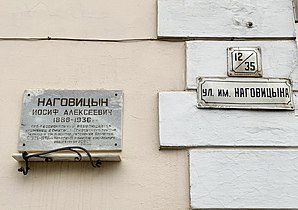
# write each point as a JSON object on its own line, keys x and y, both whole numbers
{"x": 57, "y": 118}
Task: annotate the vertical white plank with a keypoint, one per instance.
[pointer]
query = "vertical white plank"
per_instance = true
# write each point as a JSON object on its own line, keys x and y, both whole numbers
{"x": 244, "y": 179}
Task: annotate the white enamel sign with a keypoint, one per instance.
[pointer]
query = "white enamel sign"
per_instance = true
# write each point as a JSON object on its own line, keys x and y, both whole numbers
{"x": 244, "y": 62}
{"x": 245, "y": 93}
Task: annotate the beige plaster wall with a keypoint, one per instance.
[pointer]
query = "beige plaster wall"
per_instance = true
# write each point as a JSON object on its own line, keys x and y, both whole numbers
{"x": 146, "y": 178}
{"x": 99, "y": 19}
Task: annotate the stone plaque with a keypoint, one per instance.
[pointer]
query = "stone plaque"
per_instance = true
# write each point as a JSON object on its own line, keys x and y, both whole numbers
{"x": 245, "y": 61}
{"x": 246, "y": 93}
{"x": 57, "y": 118}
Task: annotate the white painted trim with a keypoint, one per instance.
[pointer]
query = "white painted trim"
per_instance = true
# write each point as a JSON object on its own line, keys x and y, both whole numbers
{"x": 209, "y": 58}
{"x": 243, "y": 179}
{"x": 182, "y": 124}
{"x": 226, "y": 19}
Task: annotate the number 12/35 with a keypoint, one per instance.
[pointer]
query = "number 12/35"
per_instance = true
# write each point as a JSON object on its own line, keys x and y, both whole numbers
{"x": 249, "y": 65}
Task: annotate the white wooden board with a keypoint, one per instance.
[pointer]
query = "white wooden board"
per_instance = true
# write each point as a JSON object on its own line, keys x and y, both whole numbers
{"x": 209, "y": 58}
{"x": 225, "y": 18}
{"x": 182, "y": 124}
{"x": 244, "y": 179}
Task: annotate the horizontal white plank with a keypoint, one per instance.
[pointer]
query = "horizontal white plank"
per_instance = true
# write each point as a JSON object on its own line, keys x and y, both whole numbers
{"x": 98, "y": 19}
{"x": 182, "y": 124}
{"x": 209, "y": 58}
{"x": 71, "y": 157}
{"x": 225, "y": 18}
{"x": 243, "y": 179}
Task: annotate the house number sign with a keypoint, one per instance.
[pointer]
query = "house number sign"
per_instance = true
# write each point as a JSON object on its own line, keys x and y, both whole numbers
{"x": 244, "y": 62}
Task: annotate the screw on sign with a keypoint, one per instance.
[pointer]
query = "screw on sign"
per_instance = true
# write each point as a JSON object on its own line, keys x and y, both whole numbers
{"x": 244, "y": 62}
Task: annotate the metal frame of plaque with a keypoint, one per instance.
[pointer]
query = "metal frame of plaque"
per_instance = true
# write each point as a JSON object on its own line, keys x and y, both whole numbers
{"x": 53, "y": 119}
{"x": 244, "y": 61}
{"x": 244, "y": 93}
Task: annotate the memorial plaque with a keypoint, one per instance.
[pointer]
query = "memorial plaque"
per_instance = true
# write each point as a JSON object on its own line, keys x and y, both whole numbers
{"x": 244, "y": 62}
{"x": 245, "y": 93}
{"x": 57, "y": 118}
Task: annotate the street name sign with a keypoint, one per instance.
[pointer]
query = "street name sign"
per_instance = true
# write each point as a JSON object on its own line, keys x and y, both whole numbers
{"x": 244, "y": 93}
{"x": 57, "y": 118}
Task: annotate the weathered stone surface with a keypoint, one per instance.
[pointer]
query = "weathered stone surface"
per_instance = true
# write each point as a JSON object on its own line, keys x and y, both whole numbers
{"x": 226, "y": 18}
{"x": 244, "y": 179}
{"x": 182, "y": 124}
{"x": 279, "y": 59}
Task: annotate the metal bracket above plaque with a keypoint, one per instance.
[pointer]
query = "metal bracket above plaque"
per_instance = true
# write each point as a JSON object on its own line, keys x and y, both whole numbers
{"x": 52, "y": 119}
{"x": 245, "y": 93}
{"x": 244, "y": 62}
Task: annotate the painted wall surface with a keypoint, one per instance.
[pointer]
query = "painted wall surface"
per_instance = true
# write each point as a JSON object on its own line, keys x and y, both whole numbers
{"x": 225, "y": 170}
{"x": 146, "y": 178}
{"x": 279, "y": 59}
{"x": 243, "y": 179}
{"x": 189, "y": 126}
{"x": 92, "y": 19}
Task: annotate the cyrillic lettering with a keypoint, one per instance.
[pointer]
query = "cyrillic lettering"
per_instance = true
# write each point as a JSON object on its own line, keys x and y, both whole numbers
{"x": 258, "y": 92}
{"x": 88, "y": 103}
{"x": 287, "y": 93}
{"x": 268, "y": 91}
{"x": 263, "y": 92}
{"x": 236, "y": 92}
{"x": 49, "y": 102}
{"x": 282, "y": 92}
{"x": 94, "y": 103}
{"x": 102, "y": 102}
{"x": 71, "y": 102}
{"x": 252, "y": 92}
{"x": 54, "y": 101}
{"x": 273, "y": 93}
{"x": 79, "y": 102}
{"x": 63, "y": 102}
{"x": 39, "y": 101}
{"x": 204, "y": 92}
{"x": 210, "y": 92}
